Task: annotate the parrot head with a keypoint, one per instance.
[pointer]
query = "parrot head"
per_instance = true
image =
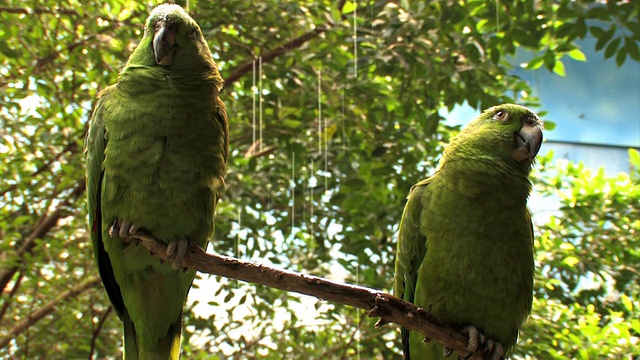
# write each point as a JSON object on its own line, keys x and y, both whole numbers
{"x": 509, "y": 133}
{"x": 174, "y": 41}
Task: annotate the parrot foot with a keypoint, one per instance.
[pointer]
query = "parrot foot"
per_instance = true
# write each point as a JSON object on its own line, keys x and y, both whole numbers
{"x": 476, "y": 339}
{"x": 176, "y": 251}
{"x": 122, "y": 229}
{"x": 494, "y": 348}
{"x": 446, "y": 352}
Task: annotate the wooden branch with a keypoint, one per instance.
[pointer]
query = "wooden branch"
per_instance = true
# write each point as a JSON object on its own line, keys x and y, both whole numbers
{"x": 241, "y": 70}
{"x": 47, "y": 309}
{"x": 71, "y": 147}
{"x": 388, "y": 307}
{"x": 41, "y": 63}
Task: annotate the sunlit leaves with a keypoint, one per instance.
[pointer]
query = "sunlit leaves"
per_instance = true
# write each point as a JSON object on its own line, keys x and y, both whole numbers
{"x": 323, "y": 190}
{"x": 583, "y": 252}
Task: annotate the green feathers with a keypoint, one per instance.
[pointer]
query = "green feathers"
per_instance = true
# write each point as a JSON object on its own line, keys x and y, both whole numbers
{"x": 465, "y": 246}
{"x": 156, "y": 158}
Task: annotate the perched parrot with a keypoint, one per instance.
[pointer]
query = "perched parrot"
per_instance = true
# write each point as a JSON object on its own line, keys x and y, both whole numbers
{"x": 156, "y": 156}
{"x": 465, "y": 244}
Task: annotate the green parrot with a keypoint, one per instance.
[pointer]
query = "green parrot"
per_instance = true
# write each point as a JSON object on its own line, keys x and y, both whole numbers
{"x": 465, "y": 244}
{"x": 156, "y": 156}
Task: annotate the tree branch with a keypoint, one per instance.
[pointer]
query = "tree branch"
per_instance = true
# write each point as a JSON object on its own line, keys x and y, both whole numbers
{"x": 238, "y": 72}
{"x": 389, "y": 308}
{"x": 48, "y": 59}
{"x": 29, "y": 11}
{"x": 8, "y": 301}
{"x": 94, "y": 336}
{"x": 47, "y": 309}
{"x": 71, "y": 147}
{"x": 269, "y": 56}
{"x": 43, "y": 226}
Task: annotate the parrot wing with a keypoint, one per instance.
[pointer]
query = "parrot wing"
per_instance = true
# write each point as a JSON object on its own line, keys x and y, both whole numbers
{"x": 95, "y": 145}
{"x": 411, "y": 249}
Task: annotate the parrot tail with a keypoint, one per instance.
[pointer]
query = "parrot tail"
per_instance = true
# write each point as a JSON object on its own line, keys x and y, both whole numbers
{"x": 168, "y": 347}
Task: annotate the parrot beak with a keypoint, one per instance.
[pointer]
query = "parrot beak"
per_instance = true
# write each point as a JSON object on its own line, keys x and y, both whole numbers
{"x": 527, "y": 140}
{"x": 164, "y": 43}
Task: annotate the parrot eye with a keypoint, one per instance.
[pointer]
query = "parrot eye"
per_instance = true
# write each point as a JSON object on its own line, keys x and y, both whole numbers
{"x": 193, "y": 33}
{"x": 501, "y": 115}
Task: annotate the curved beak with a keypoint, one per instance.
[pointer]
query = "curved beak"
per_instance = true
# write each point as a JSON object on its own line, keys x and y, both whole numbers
{"x": 164, "y": 43}
{"x": 527, "y": 141}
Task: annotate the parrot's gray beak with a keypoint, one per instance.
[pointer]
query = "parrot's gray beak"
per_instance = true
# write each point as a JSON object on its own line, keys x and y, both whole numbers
{"x": 164, "y": 43}
{"x": 527, "y": 141}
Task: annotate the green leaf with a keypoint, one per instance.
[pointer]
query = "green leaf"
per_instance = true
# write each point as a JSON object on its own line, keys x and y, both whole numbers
{"x": 621, "y": 56}
{"x": 549, "y": 60}
{"x": 627, "y": 302}
{"x": 571, "y": 260}
{"x": 291, "y": 123}
{"x": 634, "y": 158}
{"x": 558, "y": 68}
{"x": 611, "y": 48}
{"x": 7, "y": 50}
{"x": 632, "y": 48}
{"x": 349, "y": 7}
{"x": 596, "y": 31}
{"x": 604, "y": 38}
{"x": 577, "y": 55}
{"x": 535, "y": 63}
{"x": 549, "y": 125}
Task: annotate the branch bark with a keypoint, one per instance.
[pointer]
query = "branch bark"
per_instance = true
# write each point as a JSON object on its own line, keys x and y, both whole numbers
{"x": 380, "y": 304}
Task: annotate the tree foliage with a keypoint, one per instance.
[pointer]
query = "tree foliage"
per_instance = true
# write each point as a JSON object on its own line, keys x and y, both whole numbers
{"x": 335, "y": 111}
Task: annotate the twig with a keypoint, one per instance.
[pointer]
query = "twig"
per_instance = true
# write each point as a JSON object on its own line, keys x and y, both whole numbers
{"x": 45, "y": 224}
{"x": 241, "y": 70}
{"x": 47, "y": 309}
{"x": 271, "y": 55}
{"x": 388, "y": 307}
{"x": 29, "y": 11}
{"x": 96, "y": 332}
{"x": 8, "y": 301}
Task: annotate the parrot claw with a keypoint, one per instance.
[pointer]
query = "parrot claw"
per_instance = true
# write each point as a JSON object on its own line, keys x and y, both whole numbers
{"x": 122, "y": 229}
{"x": 381, "y": 323}
{"x": 446, "y": 352}
{"x": 176, "y": 251}
{"x": 494, "y": 348}
{"x": 475, "y": 338}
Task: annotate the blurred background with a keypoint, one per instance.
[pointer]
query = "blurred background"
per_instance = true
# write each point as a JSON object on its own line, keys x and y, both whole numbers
{"x": 336, "y": 109}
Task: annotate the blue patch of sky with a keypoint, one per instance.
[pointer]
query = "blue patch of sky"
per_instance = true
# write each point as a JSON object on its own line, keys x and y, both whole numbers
{"x": 597, "y": 102}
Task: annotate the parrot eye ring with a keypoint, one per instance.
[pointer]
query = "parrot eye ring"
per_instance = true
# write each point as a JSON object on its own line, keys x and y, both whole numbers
{"x": 501, "y": 115}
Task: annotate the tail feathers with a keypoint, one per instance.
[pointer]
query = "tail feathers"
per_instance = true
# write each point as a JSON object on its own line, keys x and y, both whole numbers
{"x": 168, "y": 347}
{"x": 414, "y": 347}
